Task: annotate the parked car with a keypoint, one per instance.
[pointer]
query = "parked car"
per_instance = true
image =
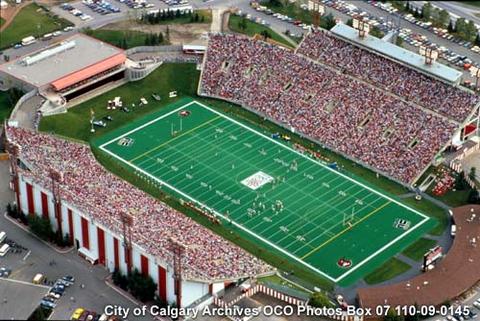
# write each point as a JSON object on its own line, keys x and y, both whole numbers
{"x": 77, "y": 313}
{"x": 49, "y": 299}
{"x": 69, "y": 278}
{"x": 54, "y": 295}
{"x": 47, "y": 304}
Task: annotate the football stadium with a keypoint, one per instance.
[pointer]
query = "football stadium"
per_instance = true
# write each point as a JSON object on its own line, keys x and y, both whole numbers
{"x": 254, "y": 160}
{"x": 289, "y": 201}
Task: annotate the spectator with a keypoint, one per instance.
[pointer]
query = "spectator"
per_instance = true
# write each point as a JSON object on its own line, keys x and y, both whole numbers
{"x": 355, "y": 119}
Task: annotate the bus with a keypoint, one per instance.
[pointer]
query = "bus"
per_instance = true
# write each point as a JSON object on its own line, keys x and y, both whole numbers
{"x": 28, "y": 40}
{"x": 4, "y": 249}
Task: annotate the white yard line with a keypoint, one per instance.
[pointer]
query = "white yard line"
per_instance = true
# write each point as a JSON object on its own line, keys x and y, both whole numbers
{"x": 248, "y": 231}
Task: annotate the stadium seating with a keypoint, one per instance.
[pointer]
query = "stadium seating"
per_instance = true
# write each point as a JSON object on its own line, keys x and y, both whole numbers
{"x": 94, "y": 191}
{"x": 349, "y": 116}
{"x": 394, "y": 77}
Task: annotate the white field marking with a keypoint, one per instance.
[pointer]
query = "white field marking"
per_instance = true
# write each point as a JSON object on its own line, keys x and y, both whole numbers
{"x": 426, "y": 218}
{"x": 217, "y": 213}
{"x": 312, "y": 160}
{"x": 26, "y": 255}
{"x": 146, "y": 124}
{"x": 380, "y": 250}
{"x": 324, "y": 230}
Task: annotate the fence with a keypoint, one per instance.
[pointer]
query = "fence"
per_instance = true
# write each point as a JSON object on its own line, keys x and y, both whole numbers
{"x": 140, "y": 49}
{"x": 259, "y": 288}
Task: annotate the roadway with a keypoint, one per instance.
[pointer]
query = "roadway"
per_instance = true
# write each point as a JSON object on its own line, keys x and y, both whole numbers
{"x": 455, "y": 9}
{"x": 400, "y": 22}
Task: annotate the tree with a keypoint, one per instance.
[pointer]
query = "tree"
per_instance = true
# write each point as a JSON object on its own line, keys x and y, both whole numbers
{"x": 41, "y": 227}
{"x": 477, "y": 39}
{"x": 473, "y": 173}
{"x": 415, "y": 13}
{"x": 350, "y": 22}
{"x": 461, "y": 26}
{"x": 119, "y": 279}
{"x": 160, "y": 38}
{"x": 242, "y": 24}
{"x": 167, "y": 34}
{"x": 427, "y": 11}
{"x": 10, "y": 211}
{"x": 376, "y": 32}
{"x": 414, "y": 317}
{"x": 265, "y": 34}
{"x": 460, "y": 182}
{"x": 470, "y": 31}
{"x": 399, "y": 42}
{"x": 393, "y": 316}
{"x": 320, "y": 300}
{"x": 443, "y": 17}
{"x": 451, "y": 27}
{"x": 275, "y": 3}
{"x": 154, "y": 39}
{"x": 473, "y": 196}
{"x": 141, "y": 287}
{"x": 327, "y": 22}
{"x": 124, "y": 43}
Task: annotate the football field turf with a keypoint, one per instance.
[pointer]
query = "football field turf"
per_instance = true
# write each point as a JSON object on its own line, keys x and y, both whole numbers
{"x": 286, "y": 201}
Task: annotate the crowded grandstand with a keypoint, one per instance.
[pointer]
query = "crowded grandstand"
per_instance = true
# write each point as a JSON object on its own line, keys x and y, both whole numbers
{"x": 90, "y": 188}
{"x": 383, "y": 115}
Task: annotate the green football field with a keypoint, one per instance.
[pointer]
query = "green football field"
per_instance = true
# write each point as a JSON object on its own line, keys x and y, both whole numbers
{"x": 290, "y": 203}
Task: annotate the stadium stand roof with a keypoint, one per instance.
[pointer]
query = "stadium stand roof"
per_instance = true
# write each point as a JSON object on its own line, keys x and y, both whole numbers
{"x": 87, "y": 56}
{"x": 88, "y": 72}
{"x": 397, "y": 53}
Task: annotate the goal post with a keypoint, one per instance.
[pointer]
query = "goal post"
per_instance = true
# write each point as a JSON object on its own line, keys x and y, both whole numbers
{"x": 348, "y": 218}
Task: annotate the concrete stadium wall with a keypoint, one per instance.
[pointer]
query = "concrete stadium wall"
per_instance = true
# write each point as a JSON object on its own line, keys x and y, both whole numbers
{"x": 191, "y": 290}
{"x": 140, "y": 49}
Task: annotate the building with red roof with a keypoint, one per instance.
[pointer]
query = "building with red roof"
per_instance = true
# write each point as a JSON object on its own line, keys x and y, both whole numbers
{"x": 66, "y": 69}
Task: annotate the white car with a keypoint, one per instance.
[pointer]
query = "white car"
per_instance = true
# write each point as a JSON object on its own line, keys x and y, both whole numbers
{"x": 453, "y": 230}
{"x": 477, "y": 304}
{"x": 54, "y": 295}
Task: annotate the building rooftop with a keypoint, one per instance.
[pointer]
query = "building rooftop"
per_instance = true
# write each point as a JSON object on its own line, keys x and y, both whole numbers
{"x": 14, "y": 294}
{"x": 392, "y": 51}
{"x": 86, "y": 52}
